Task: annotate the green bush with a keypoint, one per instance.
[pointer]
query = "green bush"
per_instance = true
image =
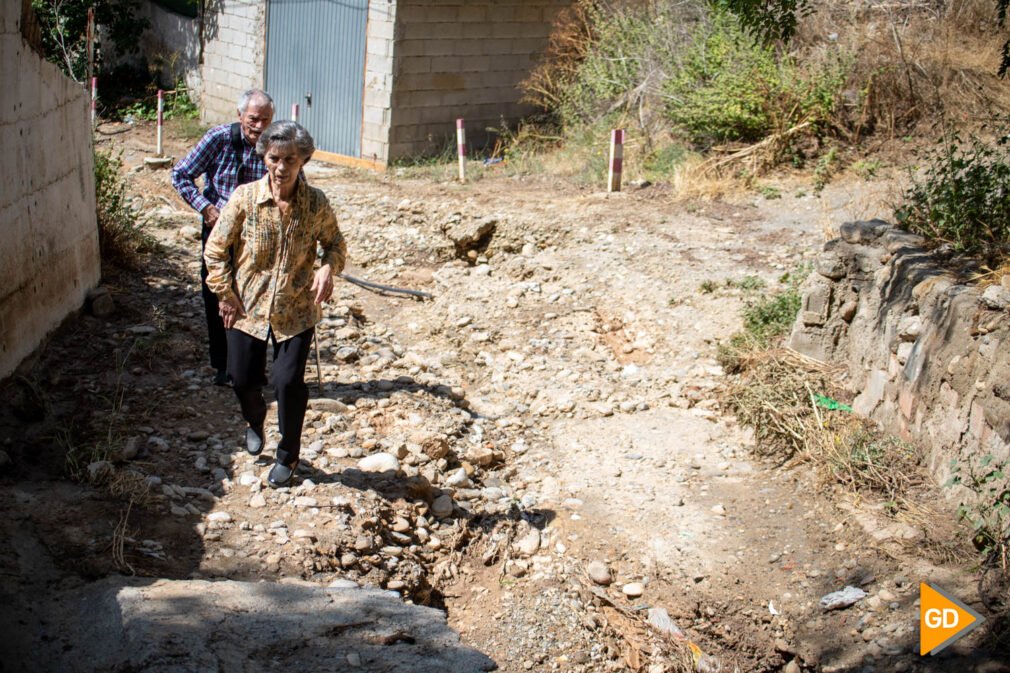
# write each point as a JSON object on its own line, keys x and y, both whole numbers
{"x": 731, "y": 87}
{"x": 121, "y": 237}
{"x": 622, "y": 43}
{"x": 962, "y": 197}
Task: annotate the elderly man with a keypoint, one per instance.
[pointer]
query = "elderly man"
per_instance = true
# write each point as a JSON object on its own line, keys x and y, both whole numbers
{"x": 226, "y": 157}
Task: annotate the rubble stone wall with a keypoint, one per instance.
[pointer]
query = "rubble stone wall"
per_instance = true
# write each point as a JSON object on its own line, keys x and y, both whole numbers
{"x": 456, "y": 59}
{"x": 926, "y": 353}
{"x": 49, "y": 257}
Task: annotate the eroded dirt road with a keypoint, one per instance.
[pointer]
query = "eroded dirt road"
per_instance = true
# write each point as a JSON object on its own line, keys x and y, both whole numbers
{"x": 554, "y": 406}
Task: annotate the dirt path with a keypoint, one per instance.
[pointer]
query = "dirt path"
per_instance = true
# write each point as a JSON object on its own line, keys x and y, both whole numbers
{"x": 557, "y": 395}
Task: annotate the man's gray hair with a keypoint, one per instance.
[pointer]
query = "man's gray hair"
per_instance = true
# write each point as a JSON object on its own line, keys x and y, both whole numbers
{"x": 284, "y": 133}
{"x": 243, "y": 100}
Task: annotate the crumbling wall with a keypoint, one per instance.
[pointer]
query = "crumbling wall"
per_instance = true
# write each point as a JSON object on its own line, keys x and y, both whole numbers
{"x": 926, "y": 352}
{"x": 49, "y": 256}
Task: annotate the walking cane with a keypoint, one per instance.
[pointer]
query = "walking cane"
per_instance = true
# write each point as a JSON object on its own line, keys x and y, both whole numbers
{"x": 319, "y": 368}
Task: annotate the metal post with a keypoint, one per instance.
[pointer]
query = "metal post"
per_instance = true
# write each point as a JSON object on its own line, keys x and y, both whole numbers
{"x": 461, "y": 147}
{"x": 616, "y": 160}
{"x": 91, "y": 42}
{"x": 161, "y": 121}
{"x": 294, "y": 112}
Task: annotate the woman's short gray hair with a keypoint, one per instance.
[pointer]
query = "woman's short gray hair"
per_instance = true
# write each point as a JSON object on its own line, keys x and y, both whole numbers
{"x": 284, "y": 133}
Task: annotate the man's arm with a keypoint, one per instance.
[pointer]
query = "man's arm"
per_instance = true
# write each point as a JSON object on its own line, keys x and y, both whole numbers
{"x": 217, "y": 252}
{"x": 194, "y": 165}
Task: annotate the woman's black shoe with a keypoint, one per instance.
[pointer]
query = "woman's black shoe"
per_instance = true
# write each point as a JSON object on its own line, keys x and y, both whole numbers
{"x": 254, "y": 440}
{"x": 280, "y": 474}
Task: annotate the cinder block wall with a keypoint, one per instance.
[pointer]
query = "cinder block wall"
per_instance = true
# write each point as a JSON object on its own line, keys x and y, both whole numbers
{"x": 174, "y": 41}
{"x": 233, "y": 56}
{"x": 462, "y": 59}
{"x": 49, "y": 258}
{"x": 377, "y": 112}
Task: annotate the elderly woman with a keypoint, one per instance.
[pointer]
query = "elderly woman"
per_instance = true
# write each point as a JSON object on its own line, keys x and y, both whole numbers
{"x": 261, "y": 259}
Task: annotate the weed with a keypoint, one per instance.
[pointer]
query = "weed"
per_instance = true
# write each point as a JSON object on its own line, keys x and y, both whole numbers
{"x": 962, "y": 197}
{"x": 106, "y": 446}
{"x": 187, "y": 128}
{"x": 765, "y": 319}
{"x": 867, "y": 169}
{"x": 176, "y": 105}
{"x": 772, "y": 316}
{"x": 988, "y": 509}
{"x": 121, "y": 237}
{"x": 825, "y": 169}
{"x": 661, "y": 163}
{"x": 747, "y": 283}
{"x": 708, "y": 286}
{"x": 769, "y": 192}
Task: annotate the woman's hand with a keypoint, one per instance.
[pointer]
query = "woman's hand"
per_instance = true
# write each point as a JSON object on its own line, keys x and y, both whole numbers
{"x": 230, "y": 310}
{"x": 322, "y": 283}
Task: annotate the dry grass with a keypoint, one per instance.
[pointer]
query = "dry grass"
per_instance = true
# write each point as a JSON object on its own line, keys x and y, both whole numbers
{"x": 568, "y": 45}
{"x": 777, "y": 395}
{"x": 916, "y": 63}
{"x": 916, "y": 66}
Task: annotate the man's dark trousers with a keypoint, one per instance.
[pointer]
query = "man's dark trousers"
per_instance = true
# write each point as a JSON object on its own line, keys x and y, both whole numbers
{"x": 247, "y": 359}
{"x": 215, "y": 326}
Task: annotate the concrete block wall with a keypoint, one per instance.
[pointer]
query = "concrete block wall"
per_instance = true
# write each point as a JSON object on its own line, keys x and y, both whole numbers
{"x": 49, "y": 258}
{"x": 233, "y": 55}
{"x": 462, "y": 59}
{"x": 173, "y": 41}
{"x": 379, "y": 58}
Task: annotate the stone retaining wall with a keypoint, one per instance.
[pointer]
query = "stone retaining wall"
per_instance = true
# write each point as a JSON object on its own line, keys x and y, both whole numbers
{"x": 49, "y": 257}
{"x": 926, "y": 353}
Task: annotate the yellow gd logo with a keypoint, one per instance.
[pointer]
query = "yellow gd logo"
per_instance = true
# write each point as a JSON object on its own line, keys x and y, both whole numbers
{"x": 942, "y": 619}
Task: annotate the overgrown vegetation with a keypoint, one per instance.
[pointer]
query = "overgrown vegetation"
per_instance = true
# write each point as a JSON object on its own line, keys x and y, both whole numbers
{"x": 121, "y": 236}
{"x": 176, "y": 105}
{"x": 64, "y": 26}
{"x": 791, "y": 404}
{"x": 731, "y": 87}
{"x": 795, "y": 405}
{"x": 750, "y": 85}
{"x": 987, "y": 505}
{"x": 962, "y": 196}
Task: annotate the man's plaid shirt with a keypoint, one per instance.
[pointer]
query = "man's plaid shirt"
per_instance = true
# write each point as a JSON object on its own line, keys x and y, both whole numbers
{"x": 225, "y": 169}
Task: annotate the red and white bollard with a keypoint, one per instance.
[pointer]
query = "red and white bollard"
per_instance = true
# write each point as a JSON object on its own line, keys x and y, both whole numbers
{"x": 461, "y": 147}
{"x": 616, "y": 159}
{"x": 94, "y": 99}
{"x": 161, "y": 121}
{"x": 294, "y": 112}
